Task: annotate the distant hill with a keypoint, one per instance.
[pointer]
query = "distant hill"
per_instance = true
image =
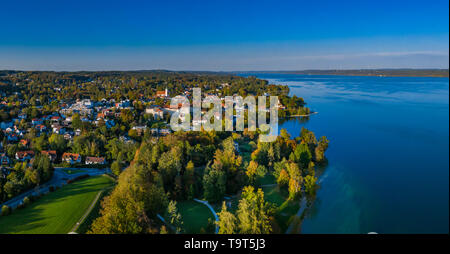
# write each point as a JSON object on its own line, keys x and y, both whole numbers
{"x": 368, "y": 72}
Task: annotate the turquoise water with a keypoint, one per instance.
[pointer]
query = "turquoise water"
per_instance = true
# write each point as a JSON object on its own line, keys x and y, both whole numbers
{"x": 388, "y": 158}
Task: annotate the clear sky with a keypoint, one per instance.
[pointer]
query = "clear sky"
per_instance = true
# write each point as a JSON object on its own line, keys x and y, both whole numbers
{"x": 223, "y": 35}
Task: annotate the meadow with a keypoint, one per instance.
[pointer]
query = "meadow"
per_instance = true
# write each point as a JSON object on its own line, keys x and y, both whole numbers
{"x": 56, "y": 212}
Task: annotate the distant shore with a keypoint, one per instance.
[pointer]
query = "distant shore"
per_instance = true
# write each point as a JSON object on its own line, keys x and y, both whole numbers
{"x": 437, "y": 73}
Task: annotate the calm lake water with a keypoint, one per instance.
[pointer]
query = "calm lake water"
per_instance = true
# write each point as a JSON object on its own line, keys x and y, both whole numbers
{"x": 388, "y": 158}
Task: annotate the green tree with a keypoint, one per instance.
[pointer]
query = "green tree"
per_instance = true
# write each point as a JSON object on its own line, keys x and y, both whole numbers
{"x": 283, "y": 178}
{"x": 116, "y": 168}
{"x": 76, "y": 121}
{"x": 253, "y": 212}
{"x": 6, "y": 210}
{"x": 227, "y": 221}
{"x": 214, "y": 185}
{"x": 57, "y": 143}
{"x": 174, "y": 217}
{"x": 310, "y": 184}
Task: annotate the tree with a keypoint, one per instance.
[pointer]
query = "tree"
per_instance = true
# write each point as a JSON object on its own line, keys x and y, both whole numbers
{"x": 283, "y": 178}
{"x": 163, "y": 230}
{"x": 169, "y": 165}
{"x": 321, "y": 148}
{"x": 294, "y": 188}
{"x": 310, "y": 185}
{"x": 6, "y": 210}
{"x": 132, "y": 204}
{"x": 284, "y": 134}
{"x": 174, "y": 217}
{"x": 58, "y": 143}
{"x": 76, "y": 121}
{"x": 26, "y": 201}
{"x": 115, "y": 168}
{"x": 214, "y": 185}
{"x": 251, "y": 171}
{"x": 227, "y": 221}
{"x": 40, "y": 143}
{"x": 301, "y": 155}
{"x": 253, "y": 212}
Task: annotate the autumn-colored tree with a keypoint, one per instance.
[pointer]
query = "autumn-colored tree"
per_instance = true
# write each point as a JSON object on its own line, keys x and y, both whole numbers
{"x": 227, "y": 221}
{"x": 253, "y": 212}
{"x": 283, "y": 178}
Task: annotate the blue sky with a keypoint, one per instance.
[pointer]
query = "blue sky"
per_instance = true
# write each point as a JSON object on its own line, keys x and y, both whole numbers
{"x": 223, "y": 35}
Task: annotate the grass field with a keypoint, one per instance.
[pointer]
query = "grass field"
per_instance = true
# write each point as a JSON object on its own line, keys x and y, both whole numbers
{"x": 195, "y": 216}
{"x": 285, "y": 209}
{"x": 267, "y": 179}
{"x": 85, "y": 226}
{"x": 56, "y": 212}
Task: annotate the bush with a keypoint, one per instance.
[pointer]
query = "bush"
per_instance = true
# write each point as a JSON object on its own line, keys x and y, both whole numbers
{"x": 26, "y": 201}
{"x": 6, "y": 210}
{"x": 78, "y": 178}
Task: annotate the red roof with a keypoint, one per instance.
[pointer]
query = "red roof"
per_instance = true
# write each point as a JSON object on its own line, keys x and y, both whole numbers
{"x": 72, "y": 156}
{"x": 95, "y": 159}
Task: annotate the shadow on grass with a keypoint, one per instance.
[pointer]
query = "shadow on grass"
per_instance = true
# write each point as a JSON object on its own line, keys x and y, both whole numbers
{"x": 37, "y": 214}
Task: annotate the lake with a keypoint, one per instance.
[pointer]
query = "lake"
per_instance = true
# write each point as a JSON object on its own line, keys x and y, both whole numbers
{"x": 388, "y": 168}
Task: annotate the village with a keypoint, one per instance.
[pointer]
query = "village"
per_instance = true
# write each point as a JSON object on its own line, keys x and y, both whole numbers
{"x": 95, "y": 113}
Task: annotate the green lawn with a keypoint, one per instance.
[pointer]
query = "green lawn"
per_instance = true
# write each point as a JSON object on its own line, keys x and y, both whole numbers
{"x": 56, "y": 212}
{"x": 285, "y": 209}
{"x": 94, "y": 214}
{"x": 267, "y": 179}
{"x": 73, "y": 171}
{"x": 195, "y": 216}
{"x": 273, "y": 195}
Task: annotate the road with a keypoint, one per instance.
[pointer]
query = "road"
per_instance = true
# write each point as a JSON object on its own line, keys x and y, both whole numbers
{"x": 59, "y": 179}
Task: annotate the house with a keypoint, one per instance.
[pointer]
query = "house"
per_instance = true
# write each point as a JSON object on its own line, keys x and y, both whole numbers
{"x": 25, "y": 142}
{"x": 68, "y": 136}
{"x": 155, "y": 111}
{"x": 126, "y": 139}
{"x": 41, "y": 128}
{"x": 59, "y": 129}
{"x": 36, "y": 121}
{"x": 164, "y": 131}
{"x": 139, "y": 129}
{"x": 95, "y": 160}
{"x": 154, "y": 130}
{"x": 12, "y": 137}
{"x": 71, "y": 158}
{"x": 24, "y": 155}
{"x": 51, "y": 154}
{"x": 162, "y": 94}
{"x": 4, "y": 159}
{"x": 123, "y": 104}
{"x": 55, "y": 119}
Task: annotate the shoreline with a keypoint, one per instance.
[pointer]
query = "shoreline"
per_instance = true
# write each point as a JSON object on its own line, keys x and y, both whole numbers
{"x": 312, "y": 113}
